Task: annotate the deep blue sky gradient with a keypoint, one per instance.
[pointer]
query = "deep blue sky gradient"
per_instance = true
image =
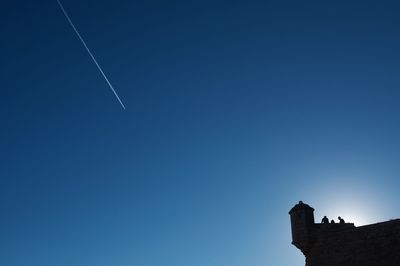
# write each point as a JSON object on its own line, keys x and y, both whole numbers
{"x": 235, "y": 111}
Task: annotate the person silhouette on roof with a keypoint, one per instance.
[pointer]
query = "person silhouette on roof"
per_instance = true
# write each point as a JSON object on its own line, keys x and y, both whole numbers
{"x": 341, "y": 220}
{"x": 325, "y": 220}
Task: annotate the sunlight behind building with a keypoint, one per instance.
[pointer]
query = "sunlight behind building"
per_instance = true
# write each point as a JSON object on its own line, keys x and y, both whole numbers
{"x": 353, "y": 199}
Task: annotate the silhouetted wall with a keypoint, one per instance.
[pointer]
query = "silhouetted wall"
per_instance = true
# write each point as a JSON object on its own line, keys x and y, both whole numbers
{"x": 344, "y": 244}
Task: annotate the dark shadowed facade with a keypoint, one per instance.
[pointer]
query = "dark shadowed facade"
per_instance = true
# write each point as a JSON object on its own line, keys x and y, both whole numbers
{"x": 343, "y": 244}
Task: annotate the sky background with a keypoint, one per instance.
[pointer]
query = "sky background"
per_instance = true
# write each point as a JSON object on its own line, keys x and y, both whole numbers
{"x": 236, "y": 110}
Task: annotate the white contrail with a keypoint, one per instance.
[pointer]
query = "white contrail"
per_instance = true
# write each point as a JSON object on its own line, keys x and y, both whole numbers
{"x": 90, "y": 53}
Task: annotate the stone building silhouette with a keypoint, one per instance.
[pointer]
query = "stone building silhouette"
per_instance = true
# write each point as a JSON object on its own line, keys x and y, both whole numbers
{"x": 343, "y": 244}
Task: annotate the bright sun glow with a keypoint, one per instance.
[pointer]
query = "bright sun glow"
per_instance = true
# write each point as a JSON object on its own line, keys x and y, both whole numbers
{"x": 354, "y": 201}
{"x": 352, "y": 213}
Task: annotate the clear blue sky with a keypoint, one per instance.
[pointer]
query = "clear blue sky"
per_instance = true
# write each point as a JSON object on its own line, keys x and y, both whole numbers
{"x": 236, "y": 110}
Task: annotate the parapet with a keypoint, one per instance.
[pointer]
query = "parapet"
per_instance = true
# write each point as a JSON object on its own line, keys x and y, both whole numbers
{"x": 332, "y": 244}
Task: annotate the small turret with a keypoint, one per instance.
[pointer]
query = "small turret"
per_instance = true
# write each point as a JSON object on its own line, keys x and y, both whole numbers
{"x": 302, "y": 222}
